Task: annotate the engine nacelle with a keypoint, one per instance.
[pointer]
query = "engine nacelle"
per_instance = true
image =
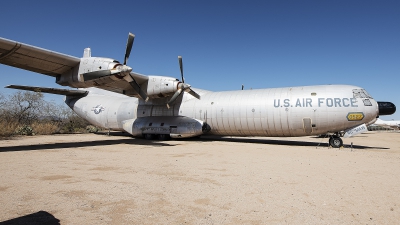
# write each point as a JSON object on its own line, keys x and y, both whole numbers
{"x": 74, "y": 78}
{"x": 92, "y": 64}
{"x": 175, "y": 126}
{"x": 160, "y": 86}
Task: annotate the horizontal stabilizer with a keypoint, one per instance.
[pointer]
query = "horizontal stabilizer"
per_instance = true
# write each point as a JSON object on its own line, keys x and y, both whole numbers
{"x": 57, "y": 91}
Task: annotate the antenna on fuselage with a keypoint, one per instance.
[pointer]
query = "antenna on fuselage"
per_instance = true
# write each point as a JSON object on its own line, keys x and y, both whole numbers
{"x": 87, "y": 53}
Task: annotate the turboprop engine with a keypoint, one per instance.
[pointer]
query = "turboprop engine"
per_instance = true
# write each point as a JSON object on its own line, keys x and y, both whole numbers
{"x": 165, "y": 127}
{"x": 101, "y": 72}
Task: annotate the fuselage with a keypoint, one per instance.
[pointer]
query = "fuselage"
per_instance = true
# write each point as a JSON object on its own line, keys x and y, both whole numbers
{"x": 291, "y": 111}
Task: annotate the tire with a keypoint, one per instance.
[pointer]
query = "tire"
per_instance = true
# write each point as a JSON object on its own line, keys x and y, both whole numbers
{"x": 335, "y": 142}
{"x": 149, "y": 136}
{"x": 164, "y": 137}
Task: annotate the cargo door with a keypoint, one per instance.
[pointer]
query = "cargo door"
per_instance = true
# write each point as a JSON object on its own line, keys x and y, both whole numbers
{"x": 307, "y": 126}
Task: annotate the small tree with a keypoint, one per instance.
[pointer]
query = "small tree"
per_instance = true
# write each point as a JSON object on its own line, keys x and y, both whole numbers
{"x": 27, "y": 113}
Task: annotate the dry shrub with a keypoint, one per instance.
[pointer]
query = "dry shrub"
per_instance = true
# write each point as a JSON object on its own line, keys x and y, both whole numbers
{"x": 7, "y": 129}
{"x": 44, "y": 128}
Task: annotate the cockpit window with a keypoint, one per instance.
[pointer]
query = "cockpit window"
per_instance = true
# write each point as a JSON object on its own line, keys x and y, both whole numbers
{"x": 360, "y": 93}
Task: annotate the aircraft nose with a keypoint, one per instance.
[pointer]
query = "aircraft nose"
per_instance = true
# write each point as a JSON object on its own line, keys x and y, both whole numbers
{"x": 386, "y": 108}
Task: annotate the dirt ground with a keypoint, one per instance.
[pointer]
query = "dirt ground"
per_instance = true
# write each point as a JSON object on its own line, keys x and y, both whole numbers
{"x": 98, "y": 179}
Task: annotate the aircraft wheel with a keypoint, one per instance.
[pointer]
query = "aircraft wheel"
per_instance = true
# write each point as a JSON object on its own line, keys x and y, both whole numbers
{"x": 164, "y": 137}
{"x": 149, "y": 136}
{"x": 335, "y": 142}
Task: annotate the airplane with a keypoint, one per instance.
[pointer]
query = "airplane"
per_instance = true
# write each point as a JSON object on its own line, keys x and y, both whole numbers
{"x": 394, "y": 124}
{"x": 110, "y": 95}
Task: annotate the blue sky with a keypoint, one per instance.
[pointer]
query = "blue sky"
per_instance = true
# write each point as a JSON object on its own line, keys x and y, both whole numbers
{"x": 224, "y": 44}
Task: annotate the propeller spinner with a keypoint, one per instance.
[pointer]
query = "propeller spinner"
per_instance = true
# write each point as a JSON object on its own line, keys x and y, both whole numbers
{"x": 182, "y": 87}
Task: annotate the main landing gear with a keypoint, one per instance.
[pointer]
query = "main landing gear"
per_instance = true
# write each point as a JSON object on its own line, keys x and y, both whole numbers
{"x": 335, "y": 141}
{"x": 161, "y": 137}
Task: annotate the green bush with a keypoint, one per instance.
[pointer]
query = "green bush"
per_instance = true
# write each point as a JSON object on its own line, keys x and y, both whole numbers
{"x": 24, "y": 130}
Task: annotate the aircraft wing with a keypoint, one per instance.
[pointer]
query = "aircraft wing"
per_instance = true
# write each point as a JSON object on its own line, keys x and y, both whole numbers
{"x": 35, "y": 59}
{"x": 104, "y": 73}
{"x": 58, "y": 91}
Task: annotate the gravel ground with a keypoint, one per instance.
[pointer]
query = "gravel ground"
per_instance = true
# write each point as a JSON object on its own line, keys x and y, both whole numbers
{"x": 98, "y": 179}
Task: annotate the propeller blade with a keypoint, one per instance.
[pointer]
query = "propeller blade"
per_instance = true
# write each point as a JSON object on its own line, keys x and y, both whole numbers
{"x": 194, "y": 94}
{"x": 136, "y": 87}
{"x": 129, "y": 78}
{"x": 174, "y": 97}
{"x": 131, "y": 38}
{"x": 181, "y": 67}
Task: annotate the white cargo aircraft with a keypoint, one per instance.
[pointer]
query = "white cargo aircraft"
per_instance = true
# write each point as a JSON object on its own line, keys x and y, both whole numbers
{"x": 110, "y": 95}
{"x": 394, "y": 124}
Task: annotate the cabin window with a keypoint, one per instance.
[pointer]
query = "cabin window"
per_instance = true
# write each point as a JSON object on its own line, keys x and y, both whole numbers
{"x": 360, "y": 93}
{"x": 367, "y": 102}
{"x": 313, "y": 94}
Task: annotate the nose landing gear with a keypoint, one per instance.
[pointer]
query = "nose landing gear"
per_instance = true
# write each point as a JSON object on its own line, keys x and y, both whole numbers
{"x": 335, "y": 141}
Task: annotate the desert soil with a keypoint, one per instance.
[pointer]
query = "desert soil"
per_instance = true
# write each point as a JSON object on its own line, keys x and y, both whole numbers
{"x": 99, "y": 179}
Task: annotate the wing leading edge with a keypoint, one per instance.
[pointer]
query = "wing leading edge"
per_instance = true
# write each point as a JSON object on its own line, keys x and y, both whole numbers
{"x": 35, "y": 59}
{"x": 100, "y": 72}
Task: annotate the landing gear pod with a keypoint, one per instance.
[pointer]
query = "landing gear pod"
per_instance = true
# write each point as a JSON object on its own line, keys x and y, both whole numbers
{"x": 165, "y": 126}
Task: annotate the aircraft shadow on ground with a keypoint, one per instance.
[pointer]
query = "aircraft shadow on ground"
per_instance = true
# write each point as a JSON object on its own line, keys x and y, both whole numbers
{"x": 280, "y": 142}
{"x": 256, "y": 141}
{"x": 139, "y": 141}
{"x": 82, "y": 144}
{"x": 38, "y": 218}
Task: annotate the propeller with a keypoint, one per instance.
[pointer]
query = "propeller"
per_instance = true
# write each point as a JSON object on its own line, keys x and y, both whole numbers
{"x": 123, "y": 71}
{"x": 129, "y": 77}
{"x": 182, "y": 87}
